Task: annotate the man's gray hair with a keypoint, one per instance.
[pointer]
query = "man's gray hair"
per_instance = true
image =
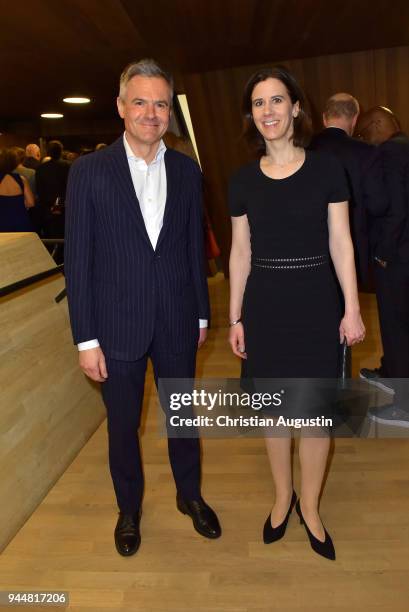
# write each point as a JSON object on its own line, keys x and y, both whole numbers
{"x": 341, "y": 105}
{"x": 147, "y": 68}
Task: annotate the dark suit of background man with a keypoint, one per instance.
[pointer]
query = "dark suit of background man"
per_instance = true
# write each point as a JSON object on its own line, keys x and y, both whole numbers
{"x": 137, "y": 287}
{"x": 51, "y": 183}
{"x": 381, "y": 127}
{"x": 363, "y": 169}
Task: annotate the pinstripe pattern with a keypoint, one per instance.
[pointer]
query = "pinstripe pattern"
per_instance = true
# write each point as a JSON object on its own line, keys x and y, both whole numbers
{"x": 116, "y": 282}
{"x": 123, "y": 397}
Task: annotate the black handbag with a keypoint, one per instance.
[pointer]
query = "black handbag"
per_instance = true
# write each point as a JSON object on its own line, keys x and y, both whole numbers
{"x": 345, "y": 361}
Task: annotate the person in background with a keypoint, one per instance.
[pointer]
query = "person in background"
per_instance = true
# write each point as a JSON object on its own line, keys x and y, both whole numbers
{"x": 361, "y": 162}
{"x": 51, "y": 182}
{"x": 71, "y": 156}
{"x": 29, "y": 173}
{"x": 31, "y": 162}
{"x": 33, "y": 156}
{"x": 380, "y": 126}
{"x": 363, "y": 170}
{"x": 15, "y": 195}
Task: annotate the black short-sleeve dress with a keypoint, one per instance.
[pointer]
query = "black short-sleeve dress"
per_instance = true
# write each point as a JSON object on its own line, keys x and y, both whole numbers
{"x": 291, "y": 310}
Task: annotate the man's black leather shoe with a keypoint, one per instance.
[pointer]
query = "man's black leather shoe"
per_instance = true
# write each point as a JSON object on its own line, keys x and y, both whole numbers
{"x": 204, "y": 518}
{"x": 127, "y": 534}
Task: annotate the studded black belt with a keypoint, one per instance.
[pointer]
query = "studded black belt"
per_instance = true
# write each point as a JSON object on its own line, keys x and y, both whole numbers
{"x": 289, "y": 263}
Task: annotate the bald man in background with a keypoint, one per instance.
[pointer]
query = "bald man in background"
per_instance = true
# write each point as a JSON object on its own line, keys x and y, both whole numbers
{"x": 362, "y": 166}
{"x": 33, "y": 156}
{"x": 379, "y": 126}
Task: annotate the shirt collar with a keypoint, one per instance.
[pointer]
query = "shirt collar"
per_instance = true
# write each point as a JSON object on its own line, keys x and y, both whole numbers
{"x": 335, "y": 127}
{"x": 131, "y": 155}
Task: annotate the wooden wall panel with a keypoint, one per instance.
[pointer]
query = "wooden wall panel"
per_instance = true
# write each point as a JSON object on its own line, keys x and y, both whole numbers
{"x": 373, "y": 77}
{"x": 11, "y": 140}
{"x": 48, "y": 409}
{"x": 392, "y": 81}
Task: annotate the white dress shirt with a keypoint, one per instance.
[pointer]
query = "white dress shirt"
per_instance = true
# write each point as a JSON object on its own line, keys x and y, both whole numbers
{"x": 149, "y": 181}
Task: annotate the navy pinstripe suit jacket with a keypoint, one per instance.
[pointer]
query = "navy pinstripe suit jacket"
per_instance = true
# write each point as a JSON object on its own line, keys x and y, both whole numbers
{"x": 118, "y": 286}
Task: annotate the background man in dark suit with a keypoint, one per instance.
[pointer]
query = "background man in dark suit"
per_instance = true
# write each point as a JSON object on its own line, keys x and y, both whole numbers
{"x": 52, "y": 176}
{"x": 379, "y": 126}
{"x": 363, "y": 169}
{"x": 137, "y": 287}
{"x": 51, "y": 184}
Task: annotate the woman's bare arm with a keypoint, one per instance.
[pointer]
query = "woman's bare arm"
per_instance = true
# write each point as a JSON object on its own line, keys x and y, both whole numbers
{"x": 240, "y": 262}
{"x": 29, "y": 199}
{"x": 342, "y": 255}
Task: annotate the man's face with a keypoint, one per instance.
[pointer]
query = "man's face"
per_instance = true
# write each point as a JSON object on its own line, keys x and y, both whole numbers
{"x": 145, "y": 109}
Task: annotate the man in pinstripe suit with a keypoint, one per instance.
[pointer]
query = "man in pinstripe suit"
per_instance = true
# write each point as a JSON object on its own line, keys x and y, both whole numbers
{"x": 137, "y": 287}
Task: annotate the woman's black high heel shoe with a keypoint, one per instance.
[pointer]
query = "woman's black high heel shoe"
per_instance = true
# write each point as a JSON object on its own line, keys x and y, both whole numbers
{"x": 325, "y": 549}
{"x": 272, "y": 534}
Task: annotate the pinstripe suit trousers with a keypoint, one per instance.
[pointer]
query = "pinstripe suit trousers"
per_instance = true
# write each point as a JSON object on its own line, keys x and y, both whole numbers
{"x": 123, "y": 397}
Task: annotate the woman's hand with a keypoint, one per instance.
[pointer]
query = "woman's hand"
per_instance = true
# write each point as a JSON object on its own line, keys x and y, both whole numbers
{"x": 352, "y": 328}
{"x": 236, "y": 339}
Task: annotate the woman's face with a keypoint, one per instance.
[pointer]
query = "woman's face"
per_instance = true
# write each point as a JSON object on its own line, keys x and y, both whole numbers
{"x": 272, "y": 109}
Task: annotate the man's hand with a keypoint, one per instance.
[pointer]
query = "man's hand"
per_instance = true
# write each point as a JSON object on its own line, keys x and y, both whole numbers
{"x": 202, "y": 336}
{"x": 92, "y": 363}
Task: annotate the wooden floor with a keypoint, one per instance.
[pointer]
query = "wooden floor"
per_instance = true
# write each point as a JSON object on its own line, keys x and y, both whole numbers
{"x": 67, "y": 544}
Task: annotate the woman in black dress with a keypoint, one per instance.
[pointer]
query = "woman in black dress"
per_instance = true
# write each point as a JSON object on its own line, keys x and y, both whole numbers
{"x": 15, "y": 195}
{"x": 289, "y": 218}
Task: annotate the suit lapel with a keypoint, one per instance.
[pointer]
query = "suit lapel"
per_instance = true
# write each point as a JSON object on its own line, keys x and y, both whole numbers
{"x": 172, "y": 186}
{"x": 123, "y": 180}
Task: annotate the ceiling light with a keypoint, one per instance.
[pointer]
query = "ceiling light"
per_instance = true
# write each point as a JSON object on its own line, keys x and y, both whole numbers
{"x": 51, "y": 115}
{"x": 76, "y": 100}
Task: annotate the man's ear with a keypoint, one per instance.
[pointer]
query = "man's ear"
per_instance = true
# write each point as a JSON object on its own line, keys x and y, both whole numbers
{"x": 120, "y": 106}
{"x": 324, "y": 120}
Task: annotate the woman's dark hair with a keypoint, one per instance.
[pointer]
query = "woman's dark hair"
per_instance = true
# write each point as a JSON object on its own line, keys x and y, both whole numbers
{"x": 302, "y": 123}
{"x": 8, "y": 160}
